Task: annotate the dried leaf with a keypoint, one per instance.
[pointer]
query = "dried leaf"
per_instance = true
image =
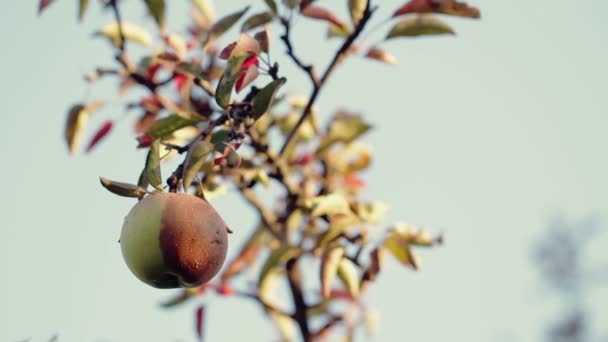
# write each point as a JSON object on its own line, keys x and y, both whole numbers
{"x": 153, "y": 165}
{"x": 380, "y": 55}
{"x": 263, "y": 39}
{"x": 344, "y": 128}
{"x": 200, "y": 321}
{"x": 75, "y": 126}
{"x": 101, "y": 133}
{"x": 257, "y": 20}
{"x": 424, "y": 24}
{"x": 248, "y": 253}
{"x": 376, "y": 257}
{"x": 83, "y": 5}
{"x": 450, "y": 7}
{"x": 196, "y": 157}
{"x": 399, "y": 242}
{"x": 131, "y": 32}
{"x": 330, "y": 204}
{"x": 356, "y": 9}
{"x": 156, "y": 8}
{"x": 329, "y": 268}
{"x": 349, "y": 275}
{"x": 315, "y": 12}
{"x": 206, "y": 8}
{"x": 43, "y": 4}
{"x": 122, "y": 189}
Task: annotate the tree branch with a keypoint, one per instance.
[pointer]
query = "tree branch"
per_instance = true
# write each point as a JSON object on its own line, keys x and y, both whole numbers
{"x": 295, "y": 284}
{"x": 317, "y": 85}
{"x": 117, "y": 16}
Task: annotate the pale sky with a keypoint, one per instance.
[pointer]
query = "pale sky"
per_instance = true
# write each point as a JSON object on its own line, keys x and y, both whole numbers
{"x": 485, "y": 136}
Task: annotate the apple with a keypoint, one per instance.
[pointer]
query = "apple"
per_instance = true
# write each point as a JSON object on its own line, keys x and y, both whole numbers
{"x": 172, "y": 240}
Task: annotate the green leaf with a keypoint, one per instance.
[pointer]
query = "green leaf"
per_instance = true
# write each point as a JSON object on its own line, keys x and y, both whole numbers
{"x": 153, "y": 165}
{"x": 272, "y": 5}
{"x": 291, "y": 4}
{"x": 172, "y": 123}
{"x": 131, "y": 32}
{"x": 334, "y": 30}
{"x": 330, "y": 260}
{"x": 83, "y": 5}
{"x": 225, "y": 23}
{"x": 223, "y": 92}
{"x": 344, "y": 128}
{"x": 197, "y": 154}
{"x": 122, "y": 189}
{"x": 349, "y": 275}
{"x": 257, "y": 20}
{"x": 157, "y": 11}
{"x": 420, "y": 25}
{"x": 330, "y": 204}
{"x": 262, "y": 100}
{"x": 400, "y": 240}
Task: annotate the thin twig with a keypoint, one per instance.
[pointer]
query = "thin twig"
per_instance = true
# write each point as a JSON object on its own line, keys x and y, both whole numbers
{"x": 121, "y": 34}
{"x": 268, "y": 217}
{"x": 338, "y": 57}
{"x": 286, "y": 38}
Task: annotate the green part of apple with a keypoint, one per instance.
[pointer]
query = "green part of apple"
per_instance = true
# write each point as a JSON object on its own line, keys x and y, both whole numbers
{"x": 171, "y": 240}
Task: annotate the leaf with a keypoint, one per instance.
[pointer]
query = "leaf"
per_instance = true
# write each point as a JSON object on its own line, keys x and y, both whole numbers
{"x": 336, "y": 31}
{"x": 291, "y": 4}
{"x": 263, "y": 39}
{"x": 101, "y": 133}
{"x": 131, "y": 32}
{"x": 329, "y": 268}
{"x": 331, "y": 204}
{"x": 249, "y": 251}
{"x": 225, "y": 23}
{"x": 172, "y": 123}
{"x": 223, "y": 91}
{"x": 245, "y": 44}
{"x": 371, "y": 212}
{"x": 156, "y": 8}
{"x": 122, "y": 189}
{"x": 315, "y": 12}
{"x": 277, "y": 258}
{"x": 380, "y": 55}
{"x": 257, "y": 20}
{"x": 450, "y": 7}
{"x": 262, "y": 100}
{"x": 153, "y": 165}
{"x": 398, "y": 243}
{"x": 43, "y": 4}
{"x": 75, "y": 126}
{"x": 284, "y": 324}
{"x": 272, "y": 5}
{"x": 349, "y": 275}
{"x": 206, "y": 8}
{"x": 83, "y": 5}
{"x": 356, "y": 9}
{"x": 420, "y": 25}
{"x": 181, "y": 298}
{"x": 376, "y": 257}
{"x": 200, "y": 321}
{"x": 197, "y": 154}
{"x": 344, "y": 128}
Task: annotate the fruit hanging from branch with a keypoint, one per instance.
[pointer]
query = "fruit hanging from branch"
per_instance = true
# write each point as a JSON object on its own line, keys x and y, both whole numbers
{"x": 172, "y": 240}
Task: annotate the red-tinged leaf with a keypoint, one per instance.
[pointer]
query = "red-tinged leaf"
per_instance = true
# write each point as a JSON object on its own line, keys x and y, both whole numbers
{"x": 200, "y": 321}
{"x": 245, "y": 44}
{"x": 305, "y": 3}
{"x": 145, "y": 121}
{"x": 341, "y": 294}
{"x": 227, "y": 51}
{"x": 353, "y": 181}
{"x": 144, "y": 141}
{"x": 450, "y": 7}
{"x": 380, "y": 55}
{"x": 152, "y": 70}
{"x": 223, "y": 91}
{"x": 225, "y": 290}
{"x": 250, "y": 74}
{"x": 179, "y": 80}
{"x": 249, "y": 62}
{"x": 151, "y": 103}
{"x": 315, "y": 12}
{"x": 101, "y": 133}
{"x": 420, "y": 25}
{"x": 304, "y": 160}
{"x": 43, "y": 5}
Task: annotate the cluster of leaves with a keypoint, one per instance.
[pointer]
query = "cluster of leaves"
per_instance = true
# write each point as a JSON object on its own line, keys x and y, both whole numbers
{"x": 205, "y": 103}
